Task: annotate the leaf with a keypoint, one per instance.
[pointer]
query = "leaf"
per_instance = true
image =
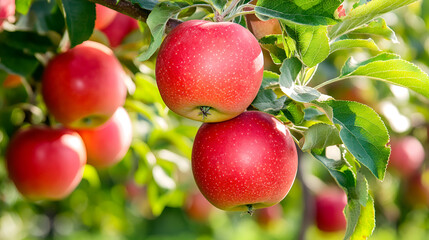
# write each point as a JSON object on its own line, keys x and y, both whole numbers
{"x": 362, "y": 132}
{"x": 363, "y": 14}
{"x": 271, "y": 42}
{"x": 145, "y": 4}
{"x": 19, "y": 40}
{"x": 218, "y": 4}
{"x": 377, "y": 27}
{"x": 389, "y": 68}
{"x": 80, "y": 19}
{"x": 267, "y": 100}
{"x": 17, "y": 61}
{"x": 321, "y": 136}
{"x": 294, "y": 112}
{"x": 360, "y": 219}
{"x": 317, "y": 12}
{"x": 22, "y": 6}
{"x": 157, "y": 21}
{"x": 289, "y": 72}
{"x": 353, "y": 43}
{"x": 312, "y": 43}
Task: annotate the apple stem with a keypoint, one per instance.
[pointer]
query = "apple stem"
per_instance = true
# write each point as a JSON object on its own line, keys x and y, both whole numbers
{"x": 205, "y": 111}
{"x": 250, "y": 209}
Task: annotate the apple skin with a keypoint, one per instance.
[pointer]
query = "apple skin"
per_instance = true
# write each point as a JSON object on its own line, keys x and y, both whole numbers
{"x": 245, "y": 163}
{"x": 261, "y": 28}
{"x": 417, "y": 189}
{"x": 406, "y": 156}
{"x": 107, "y": 144}
{"x": 83, "y": 87}
{"x": 45, "y": 163}
{"x": 7, "y": 10}
{"x": 119, "y": 28}
{"x": 197, "y": 207}
{"x": 206, "y": 64}
{"x": 329, "y": 207}
{"x": 104, "y": 16}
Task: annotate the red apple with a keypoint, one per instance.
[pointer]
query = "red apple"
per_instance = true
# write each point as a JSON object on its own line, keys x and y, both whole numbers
{"x": 406, "y": 156}
{"x": 7, "y": 11}
{"x": 45, "y": 163}
{"x": 119, "y": 28}
{"x": 209, "y": 71}
{"x": 12, "y": 81}
{"x": 197, "y": 207}
{"x": 330, "y": 204}
{"x": 107, "y": 144}
{"x": 104, "y": 16}
{"x": 269, "y": 216}
{"x": 417, "y": 189}
{"x": 248, "y": 162}
{"x": 84, "y": 86}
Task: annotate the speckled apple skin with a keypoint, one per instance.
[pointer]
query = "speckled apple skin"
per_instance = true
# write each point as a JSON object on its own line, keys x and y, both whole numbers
{"x": 248, "y": 160}
{"x": 107, "y": 144}
{"x": 85, "y": 82}
{"x": 45, "y": 163}
{"x": 202, "y": 63}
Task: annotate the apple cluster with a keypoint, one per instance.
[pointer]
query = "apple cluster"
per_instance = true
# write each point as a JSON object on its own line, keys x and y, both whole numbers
{"x": 211, "y": 72}
{"x": 84, "y": 90}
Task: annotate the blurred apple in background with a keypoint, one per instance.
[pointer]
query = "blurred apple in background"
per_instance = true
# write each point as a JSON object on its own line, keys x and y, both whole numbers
{"x": 104, "y": 16}
{"x": 7, "y": 11}
{"x": 407, "y": 155}
{"x": 267, "y": 217}
{"x": 417, "y": 189}
{"x": 119, "y": 28}
{"x": 330, "y": 204}
{"x": 197, "y": 207}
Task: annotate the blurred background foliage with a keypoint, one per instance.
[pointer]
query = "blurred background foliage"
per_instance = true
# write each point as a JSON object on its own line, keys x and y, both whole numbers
{"x": 147, "y": 195}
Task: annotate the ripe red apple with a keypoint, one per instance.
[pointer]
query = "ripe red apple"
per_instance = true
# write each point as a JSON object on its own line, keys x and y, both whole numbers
{"x": 84, "y": 86}
{"x": 330, "y": 204}
{"x": 104, "y": 16}
{"x": 406, "y": 156}
{"x": 417, "y": 189}
{"x": 107, "y": 144}
{"x": 269, "y": 216}
{"x": 7, "y": 11}
{"x": 245, "y": 163}
{"x": 197, "y": 207}
{"x": 119, "y": 28}
{"x": 209, "y": 71}
{"x": 45, "y": 163}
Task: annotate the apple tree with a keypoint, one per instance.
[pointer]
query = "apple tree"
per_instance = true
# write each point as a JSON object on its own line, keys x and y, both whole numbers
{"x": 279, "y": 59}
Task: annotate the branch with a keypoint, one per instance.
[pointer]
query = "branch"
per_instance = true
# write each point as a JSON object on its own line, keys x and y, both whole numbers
{"x": 134, "y": 11}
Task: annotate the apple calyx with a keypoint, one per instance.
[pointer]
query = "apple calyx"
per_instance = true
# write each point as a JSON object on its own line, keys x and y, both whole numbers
{"x": 250, "y": 210}
{"x": 205, "y": 111}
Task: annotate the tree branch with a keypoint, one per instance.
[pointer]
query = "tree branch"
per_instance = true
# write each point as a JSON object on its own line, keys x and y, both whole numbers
{"x": 134, "y": 11}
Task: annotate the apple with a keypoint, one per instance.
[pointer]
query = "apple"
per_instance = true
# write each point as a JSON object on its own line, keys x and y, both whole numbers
{"x": 104, "y": 16}
{"x": 266, "y": 217}
{"x": 12, "y": 81}
{"x": 245, "y": 163}
{"x": 406, "y": 156}
{"x": 7, "y": 11}
{"x": 83, "y": 87}
{"x": 329, "y": 207}
{"x": 107, "y": 144}
{"x": 209, "y": 71}
{"x": 417, "y": 189}
{"x": 45, "y": 163}
{"x": 197, "y": 207}
{"x": 261, "y": 28}
{"x": 119, "y": 28}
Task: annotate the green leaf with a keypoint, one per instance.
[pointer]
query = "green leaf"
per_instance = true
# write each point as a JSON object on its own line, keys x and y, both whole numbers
{"x": 312, "y": 42}
{"x": 294, "y": 112}
{"x": 362, "y": 132}
{"x": 22, "y": 6}
{"x": 321, "y": 136}
{"x": 271, "y": 43}
{"x": 80, "y": 19}
{"x": 289, "y": 72}
{"x": 377, "y": 27}
{"x": 145, "y": 4}
{"x": 19, "y": 40}
{"x": 218, "y": 4}
{"x": 157, "y": 21}
{"x": 317, "y": 12}
{"x": 389, "y": 68}
{"x": 353, "y": 43}
{"x": 17, "y": 61}
{"x": 360, "y": 219}
{"x": 267, "y": 100}
{"x": 363, "y": 14}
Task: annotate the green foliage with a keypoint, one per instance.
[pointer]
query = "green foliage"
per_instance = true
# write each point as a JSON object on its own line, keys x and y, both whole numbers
{"x": 80, "y": 18}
